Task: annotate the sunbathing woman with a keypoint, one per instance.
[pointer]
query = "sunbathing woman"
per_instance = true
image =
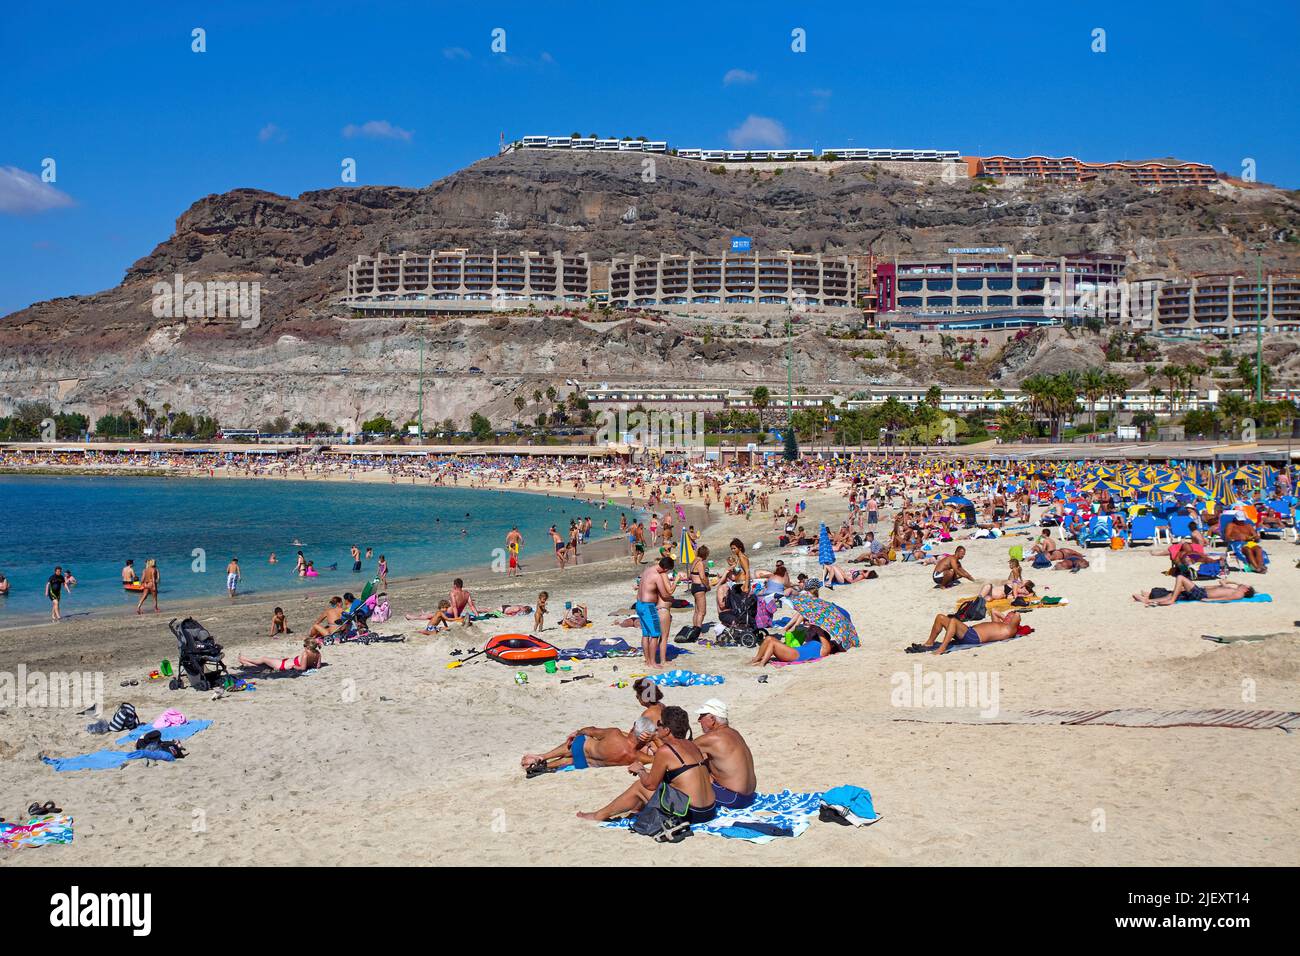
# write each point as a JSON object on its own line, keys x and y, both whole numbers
{"x": 1008, "y": 591}
{"x": 838, "y": 575}
{"x": 814, "y": 647}
{"x": 307, "y": 659}
{"x": 576, "y": 616}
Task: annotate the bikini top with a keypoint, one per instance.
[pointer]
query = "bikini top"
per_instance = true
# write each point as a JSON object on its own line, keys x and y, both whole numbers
{"x": 671, "y": 775}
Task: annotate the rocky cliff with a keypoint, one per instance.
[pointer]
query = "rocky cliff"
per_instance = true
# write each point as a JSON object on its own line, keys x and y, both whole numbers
{"x": 306, "y": 359}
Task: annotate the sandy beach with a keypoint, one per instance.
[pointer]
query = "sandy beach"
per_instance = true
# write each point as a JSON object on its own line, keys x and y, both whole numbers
{"x": 386, "y": 756}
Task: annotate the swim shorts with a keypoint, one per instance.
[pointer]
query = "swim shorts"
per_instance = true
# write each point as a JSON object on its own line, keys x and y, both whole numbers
{"x": 577, "y": 750}
{"x": 730, "y": 799}
{"x": 647, "y": 613}
{"x": 231, "y": 580}
{"x": 970, "y": 637}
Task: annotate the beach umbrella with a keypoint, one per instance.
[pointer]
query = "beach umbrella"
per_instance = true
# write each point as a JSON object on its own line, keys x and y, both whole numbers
{"x": 1179, "y": 486}
{"x": 685, "y": 550}
{"x": 825, "y": 550}
{"x": 831, "y": 618}
{"x": 1099, "y": 483}
{"x": 957, "y": 500}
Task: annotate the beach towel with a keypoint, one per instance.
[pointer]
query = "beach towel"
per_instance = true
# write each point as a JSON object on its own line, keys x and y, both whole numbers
{"x": 105, "y": 759}
{"x": 179, "y": 732}
{"x": 1257, "y": 599}
{"x": 51, "y": 830}
{"x": 686, "y": 679}
{"x": 771, "y": 815}
{"x": 811, "y": 660}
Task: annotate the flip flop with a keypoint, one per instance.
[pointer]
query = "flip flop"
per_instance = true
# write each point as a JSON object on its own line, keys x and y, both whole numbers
{"x": 536, "y": 770}
{"x": 43, "y": 809}
{"x": 130, "y": 683}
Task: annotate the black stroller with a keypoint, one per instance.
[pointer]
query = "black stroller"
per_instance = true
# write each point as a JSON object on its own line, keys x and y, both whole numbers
{"x": 200, "y": 656}
{"x": 739, "y": 620}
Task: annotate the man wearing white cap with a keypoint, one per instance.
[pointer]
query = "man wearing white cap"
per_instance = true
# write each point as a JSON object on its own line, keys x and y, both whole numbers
{"x": 730, "y": 762}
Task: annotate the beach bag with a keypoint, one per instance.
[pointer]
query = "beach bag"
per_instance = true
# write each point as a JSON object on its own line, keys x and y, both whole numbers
{"x": 1042, "y": 561}
{"x": 382, "y": 612}
{"x": 763, "y": 613}
{"x": 124, "y": 719}
{"x": 664, "y": 811}
{"x": 1117, "y": 543}
{"x": 974, "y": 609}
{"x": 1018, "y": 552}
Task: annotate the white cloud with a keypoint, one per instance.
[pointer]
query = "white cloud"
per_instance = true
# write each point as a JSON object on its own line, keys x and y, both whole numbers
{"x": 739, "y": 76}
{"x": 758, "y": 131}
{"x": 456, "y": 53}
{"x": 270, "y": 132}
{"x": 377, "y": 129}
{"x": 22, "y": 193}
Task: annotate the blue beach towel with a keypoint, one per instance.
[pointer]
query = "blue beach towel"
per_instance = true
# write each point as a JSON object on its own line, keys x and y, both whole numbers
{"x": 853, "y": 800}
{"x": 687, "y": 679}
{"x": 781, "y": 813}
{"x": 105, "y": 759}
{"x": 179, "y": 732}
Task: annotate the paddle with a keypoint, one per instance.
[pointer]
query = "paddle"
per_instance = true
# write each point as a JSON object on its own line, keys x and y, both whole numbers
{"x": 466, "y": 658}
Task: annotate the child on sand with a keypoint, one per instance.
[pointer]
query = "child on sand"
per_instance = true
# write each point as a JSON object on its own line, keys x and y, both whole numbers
{"x": 539, "y": 616}
{"x": 278, "y": 623}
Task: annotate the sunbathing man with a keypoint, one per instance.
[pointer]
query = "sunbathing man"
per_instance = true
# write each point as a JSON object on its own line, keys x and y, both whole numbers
{"x": 1002, "y": 627}
{"x": 328, "y": 623}
{"x": 1242, "y": 539}
{"x": 594, "y": 747}
{"x": 948, "y": 570}
{"x": 730, "y": 762}
{"x": 1067, "y": 559}
{"x": 1187, "y": 590}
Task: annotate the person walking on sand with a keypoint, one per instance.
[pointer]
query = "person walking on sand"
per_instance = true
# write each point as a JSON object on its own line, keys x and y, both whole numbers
{"x": 54, "y": 591}
{"x": 232, "y": 576}
{"x": 558, "y": 542}
{"x": 148, "y": 586}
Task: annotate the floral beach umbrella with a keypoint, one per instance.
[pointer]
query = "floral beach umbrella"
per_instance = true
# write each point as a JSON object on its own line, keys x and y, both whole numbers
{"x": 831, "y": 618}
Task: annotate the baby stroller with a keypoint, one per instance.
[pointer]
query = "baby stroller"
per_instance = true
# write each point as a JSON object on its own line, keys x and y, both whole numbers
{"x": 200, "y": 656}
{"x": 740, "y": 627}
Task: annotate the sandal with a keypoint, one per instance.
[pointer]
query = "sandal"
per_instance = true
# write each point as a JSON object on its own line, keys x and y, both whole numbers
{"x": 536, "y": 770}
{"x": 130, "y": 683}
{"x": 43, "y": 809}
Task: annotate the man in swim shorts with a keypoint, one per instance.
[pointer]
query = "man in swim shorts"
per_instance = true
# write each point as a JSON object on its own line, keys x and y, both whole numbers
{"x": 595, "y": 747}
{"x": 1002, "y": 627}
{"x": 232, "y": 576}
{"x": 1187, "y": 590}
{"x": 730, "y": 762}
{"x": 948, "y": 571}
{"x": 653, "y": 589}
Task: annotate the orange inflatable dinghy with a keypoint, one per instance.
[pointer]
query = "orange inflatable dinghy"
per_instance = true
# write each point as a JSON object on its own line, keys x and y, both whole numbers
{"x": 515, "y": 649}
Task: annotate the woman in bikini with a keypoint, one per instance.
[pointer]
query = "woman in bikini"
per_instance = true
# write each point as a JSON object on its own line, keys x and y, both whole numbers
{"x": 148, "y": 586}
{"x": 698, "y": 576}
{"x": 307, "y": 659}
{"x": 1008, "y": 591}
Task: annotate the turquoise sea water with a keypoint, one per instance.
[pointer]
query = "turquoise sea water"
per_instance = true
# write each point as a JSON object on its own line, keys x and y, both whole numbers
{"x": 93, "y": 524}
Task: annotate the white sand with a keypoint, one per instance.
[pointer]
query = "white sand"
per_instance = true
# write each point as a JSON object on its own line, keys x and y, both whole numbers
{"x": 386, "y": 756}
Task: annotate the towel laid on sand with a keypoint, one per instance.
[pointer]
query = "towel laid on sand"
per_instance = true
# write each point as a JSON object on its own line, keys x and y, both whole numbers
{"x": 775, "y": 812}
{"x": 687, "y": 679}
{"x": 112, "y": 759}
{"x": 177, "y": 732}
{"x": 39, "y": 832}
{"x": 105, "y": 759}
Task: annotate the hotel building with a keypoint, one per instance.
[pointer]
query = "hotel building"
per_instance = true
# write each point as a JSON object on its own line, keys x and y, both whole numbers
{"x": 736, "y": 283}
{"x": 1153, "y": 173}
{"x": 964, "y": 283}
{"x": 1228, "y": 304}
{"x": 457, "y": 280}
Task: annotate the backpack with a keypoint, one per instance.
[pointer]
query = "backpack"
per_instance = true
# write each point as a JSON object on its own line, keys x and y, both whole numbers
{"x": 1042, "y": 561}
{"x": 973, "y": 609}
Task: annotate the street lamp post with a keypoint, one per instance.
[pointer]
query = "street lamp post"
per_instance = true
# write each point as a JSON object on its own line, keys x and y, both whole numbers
{"x": 1259, "y": 328}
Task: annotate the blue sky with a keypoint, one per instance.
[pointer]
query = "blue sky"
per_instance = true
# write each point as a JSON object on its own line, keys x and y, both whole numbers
{"x": 140, "y": 127}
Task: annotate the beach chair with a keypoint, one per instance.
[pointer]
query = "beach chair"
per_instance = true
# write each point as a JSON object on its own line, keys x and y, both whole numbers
{"x": 1098, "y": 533}
{"x": 1180, "y": 526}
{"x": 1142, "y": 531}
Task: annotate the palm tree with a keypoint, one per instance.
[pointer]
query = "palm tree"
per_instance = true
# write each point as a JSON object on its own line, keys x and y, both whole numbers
{"x": 519, "y": 403}
{"x": 550, "y": 394}
{"x": 537, "y": 396}
{"x": 1173, "y": 375}
{"x": 761, "y": 397}
{"x": 167, "y": 414}
{"x": 1093, "y": 385}
{"x": 1037, "y": 391}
